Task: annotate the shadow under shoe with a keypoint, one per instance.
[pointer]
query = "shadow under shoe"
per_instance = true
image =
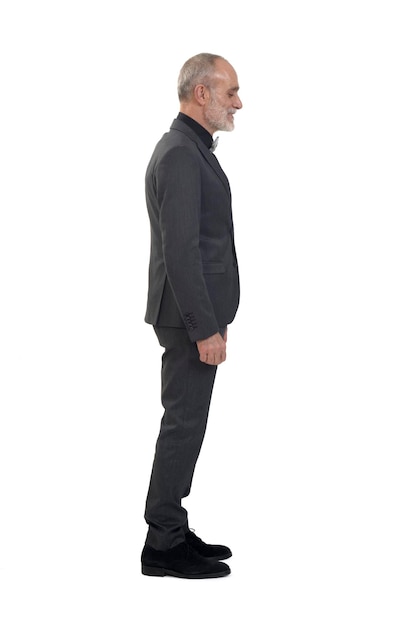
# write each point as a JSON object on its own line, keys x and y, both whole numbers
{"x": 181, "y": 561}
{"x": 210, "y": 551}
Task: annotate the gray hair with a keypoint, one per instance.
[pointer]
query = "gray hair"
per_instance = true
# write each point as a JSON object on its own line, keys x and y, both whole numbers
{"x": 197, "y": 70}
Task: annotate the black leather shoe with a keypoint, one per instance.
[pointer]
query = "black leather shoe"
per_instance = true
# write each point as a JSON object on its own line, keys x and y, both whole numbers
{"x": 207, "y": 550}
{"x": 181, "y": 561}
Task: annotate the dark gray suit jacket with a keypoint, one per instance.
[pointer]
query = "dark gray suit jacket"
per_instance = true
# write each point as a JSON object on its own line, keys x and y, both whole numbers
{"x": 193, "y": 272}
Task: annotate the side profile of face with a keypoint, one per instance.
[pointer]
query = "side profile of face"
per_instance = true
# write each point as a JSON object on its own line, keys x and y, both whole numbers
{"x": 224, "y": 100}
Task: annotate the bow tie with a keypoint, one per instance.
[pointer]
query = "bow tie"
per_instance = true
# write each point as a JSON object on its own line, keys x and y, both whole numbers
{"x": 214, "y": 144}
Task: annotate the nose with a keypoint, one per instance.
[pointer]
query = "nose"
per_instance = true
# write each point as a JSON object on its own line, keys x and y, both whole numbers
{"x": 237, "y": 102}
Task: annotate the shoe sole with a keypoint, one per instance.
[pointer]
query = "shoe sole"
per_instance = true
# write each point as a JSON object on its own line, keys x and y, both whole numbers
{"x": 160, "y": 571}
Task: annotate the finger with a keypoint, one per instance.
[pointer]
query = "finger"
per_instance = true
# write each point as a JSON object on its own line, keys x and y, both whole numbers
{"x": 209, "y": 359}
{"x": 220, "y": 358}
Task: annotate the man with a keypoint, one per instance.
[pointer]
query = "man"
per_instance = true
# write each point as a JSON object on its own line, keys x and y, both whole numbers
{"x": 193, "y": 296}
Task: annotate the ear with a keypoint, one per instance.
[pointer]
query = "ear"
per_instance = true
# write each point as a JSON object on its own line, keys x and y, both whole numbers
{"x": 201, "y": 94}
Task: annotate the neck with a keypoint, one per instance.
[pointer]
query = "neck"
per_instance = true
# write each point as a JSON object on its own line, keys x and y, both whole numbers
{"x": 197, "y": 115}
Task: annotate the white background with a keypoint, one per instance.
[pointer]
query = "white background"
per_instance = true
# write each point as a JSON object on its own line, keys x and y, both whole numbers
{"x": 309, "y": 464}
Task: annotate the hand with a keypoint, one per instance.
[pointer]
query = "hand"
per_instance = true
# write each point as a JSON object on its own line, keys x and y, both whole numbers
{"x": 212, "y": 350}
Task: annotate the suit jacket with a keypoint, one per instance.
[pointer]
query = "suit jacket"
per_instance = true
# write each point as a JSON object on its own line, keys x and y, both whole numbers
{"x": 193, "y": 271}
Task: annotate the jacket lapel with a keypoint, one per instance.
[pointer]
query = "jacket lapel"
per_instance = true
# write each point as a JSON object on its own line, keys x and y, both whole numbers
{"x": 206, "y": 153}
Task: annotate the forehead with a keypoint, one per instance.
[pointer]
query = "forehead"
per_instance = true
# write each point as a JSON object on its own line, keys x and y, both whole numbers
{"x": 225, "y": 75}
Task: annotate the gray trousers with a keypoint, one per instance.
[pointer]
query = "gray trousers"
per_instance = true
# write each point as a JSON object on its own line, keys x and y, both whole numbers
{"x": 186, "y": 389}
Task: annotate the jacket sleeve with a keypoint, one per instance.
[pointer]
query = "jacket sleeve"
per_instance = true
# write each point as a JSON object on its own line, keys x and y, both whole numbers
{"x": 179, "y": 192}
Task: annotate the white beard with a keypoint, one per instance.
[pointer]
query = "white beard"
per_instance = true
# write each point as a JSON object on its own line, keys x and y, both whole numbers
{"x": 216, "y": 117}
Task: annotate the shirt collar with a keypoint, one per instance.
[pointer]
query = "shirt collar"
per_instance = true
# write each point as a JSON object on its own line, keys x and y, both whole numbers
{"x": 197, "y": 128}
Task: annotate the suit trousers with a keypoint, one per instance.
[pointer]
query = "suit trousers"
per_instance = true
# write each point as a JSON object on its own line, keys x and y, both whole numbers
{"x": 186, "y": 390}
